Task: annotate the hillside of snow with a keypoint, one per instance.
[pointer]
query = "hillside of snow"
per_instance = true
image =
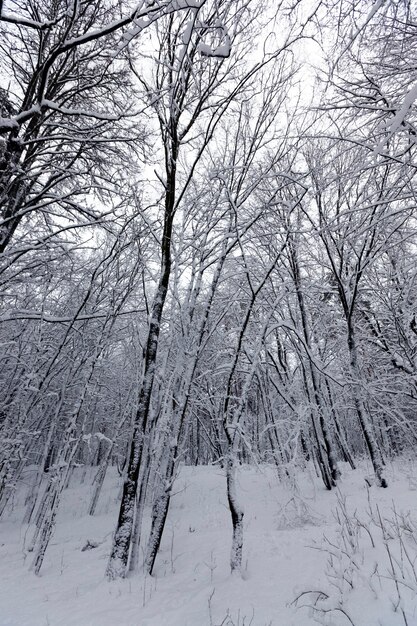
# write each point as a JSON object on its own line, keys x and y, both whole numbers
{"x": 311, "y": 556}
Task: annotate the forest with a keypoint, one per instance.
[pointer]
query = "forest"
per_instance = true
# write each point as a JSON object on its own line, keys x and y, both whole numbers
{"x": 208, "y": 312}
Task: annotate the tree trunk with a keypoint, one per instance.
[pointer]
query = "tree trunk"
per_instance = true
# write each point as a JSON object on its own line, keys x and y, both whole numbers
{"x": 99, "y": 479}
{"x": 326, "y": 452}
{"x": 236, "y": 512}
{"x": 366, "y": 426}
{"x": 117, "y": 566}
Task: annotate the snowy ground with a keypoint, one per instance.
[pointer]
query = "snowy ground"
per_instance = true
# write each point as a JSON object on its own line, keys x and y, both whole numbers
{"x": 286, "y": 531}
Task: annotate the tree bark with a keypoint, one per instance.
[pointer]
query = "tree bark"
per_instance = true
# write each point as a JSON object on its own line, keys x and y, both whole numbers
{"x": 366, "y": 426}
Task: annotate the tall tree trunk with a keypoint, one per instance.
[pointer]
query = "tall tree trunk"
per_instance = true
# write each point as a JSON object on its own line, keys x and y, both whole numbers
{"x": 326, "y": 451}
{"x": 366, "y": 426}
{"x": 140, "y": 509}
{"x": 236, "y": 512}
{"x": 159, "y": 514}
{"x": 344, "y": 447}
{"x": 179, "y": 409}
{"x": 320, "y": 447}
{"x": 117, "y": 565}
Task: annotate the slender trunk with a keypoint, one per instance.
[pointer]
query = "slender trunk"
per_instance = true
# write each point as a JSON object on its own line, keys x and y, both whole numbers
{"x": 104, "y": 463}
{"x": 236, "y": 512}
{"x": 46, "y": 530}
{"x": 159, "y": 515}
{"x": 140, "y": 509}
{"x": 117, "y": 565}
{"x": 344, "y": 447}
{"x": 11, "y": 482}
{"x": 99, "y": 479}
{"x": 321, "y": 449}
{"x": 50, "y": 502}
{"x": 61, "y": 471}
{"x": 179, "y": 408}
{"x": 12, "y": 189}
{"x": 366, "y": 426}
{"x": 122, "y": 538}
{"x": 326, "y": 452}
{"x": 34, "y": 490}
{"x": 272, "y": 430}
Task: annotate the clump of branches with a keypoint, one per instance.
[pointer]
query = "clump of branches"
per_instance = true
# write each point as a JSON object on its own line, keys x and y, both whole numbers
{"x": 373, "y": 556}
{"x": 295, "y": 514}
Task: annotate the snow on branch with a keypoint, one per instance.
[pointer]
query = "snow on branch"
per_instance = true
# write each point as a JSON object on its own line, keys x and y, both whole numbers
{"x": 49, "y": 104}
{"x": 7, "y": 124}
{"x": 156, "y": 7}
{"x": 12, "y": 123}
{"x": 143, "y": 19}
{"x": 399, "y": 118}
{"x": 24, "y": 21}
{"x": 221, "y": 52}
{"x": 24, "y": 314}
{"x": 140, "y": 18}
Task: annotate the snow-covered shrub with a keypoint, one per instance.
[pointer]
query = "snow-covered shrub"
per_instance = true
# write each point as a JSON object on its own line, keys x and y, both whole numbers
{"x": 295, "y": 514}
{"x": 371, "y": 570}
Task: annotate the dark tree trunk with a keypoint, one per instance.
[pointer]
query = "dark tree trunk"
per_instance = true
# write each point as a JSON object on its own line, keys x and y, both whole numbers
{"x": 366, "y": 426}
{"x": 119, "y": 556}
